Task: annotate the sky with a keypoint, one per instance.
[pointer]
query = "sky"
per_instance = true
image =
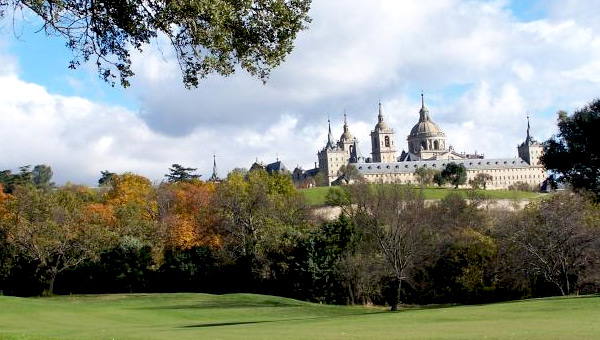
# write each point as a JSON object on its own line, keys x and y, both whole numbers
{"x": 482, "y": 65}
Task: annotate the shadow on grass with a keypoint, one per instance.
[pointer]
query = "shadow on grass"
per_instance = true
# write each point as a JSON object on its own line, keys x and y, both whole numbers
{"x": 221, "y": 324}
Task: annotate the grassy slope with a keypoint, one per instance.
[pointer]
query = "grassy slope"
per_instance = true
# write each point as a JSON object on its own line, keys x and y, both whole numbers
{"x": 243, "y": 316}
{"x": 316, "y": 195}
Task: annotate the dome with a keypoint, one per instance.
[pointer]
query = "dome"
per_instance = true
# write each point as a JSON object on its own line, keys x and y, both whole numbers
{"x": 426, "y": 128}
{"x": 381, "y": 126}
{"x": 346, "y": 137}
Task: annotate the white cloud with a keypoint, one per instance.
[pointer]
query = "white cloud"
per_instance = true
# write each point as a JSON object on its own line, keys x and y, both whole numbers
{"x": 481, "y": 68}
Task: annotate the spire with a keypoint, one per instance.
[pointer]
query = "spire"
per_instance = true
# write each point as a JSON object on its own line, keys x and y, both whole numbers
{"x": 424, "y": 112}
{"x": 528, "y": 135}
{"x": 380, "y": 116}
{"x": 214, "y": 176}
{"x": 329, "y": 136}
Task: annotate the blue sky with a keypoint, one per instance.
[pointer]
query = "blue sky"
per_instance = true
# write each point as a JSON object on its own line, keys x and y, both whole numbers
{"x": 482, "y": 64}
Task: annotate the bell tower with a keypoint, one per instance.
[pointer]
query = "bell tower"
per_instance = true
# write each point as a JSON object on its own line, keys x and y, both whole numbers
{"x": 383, "y": 144}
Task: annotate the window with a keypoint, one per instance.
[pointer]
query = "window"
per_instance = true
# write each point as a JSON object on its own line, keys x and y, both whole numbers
{"x": 387, "y": 141}
{"x": 436, "y": 145}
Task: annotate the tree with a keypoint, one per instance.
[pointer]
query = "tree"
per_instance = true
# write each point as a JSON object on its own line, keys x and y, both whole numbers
{"x": 105, "y": 178}
{"x": 259, "y": 215}
{"x": 207, "y": 36}
{"x": 559, "y": 240}
{"x": 52, "y": 230}
{"x": 480, "y": 181}
{"x": 574, "y": 154}
{"x": 179, "y": 173}
{"x": 426, "y": 176}
{"x": 456, "y": 174}
{"x": 349, "y": 173}
{"x": 393, "y": 219}
{"x": 42, "y": 176}
{"x": 186, "y": 215}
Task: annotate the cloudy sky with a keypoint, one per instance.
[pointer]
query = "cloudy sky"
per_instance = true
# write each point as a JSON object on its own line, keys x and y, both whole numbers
{"x": 482, "y": 64}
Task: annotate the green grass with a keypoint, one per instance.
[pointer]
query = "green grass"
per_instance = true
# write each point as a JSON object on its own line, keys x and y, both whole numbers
{"x": 245, "y": 316}
{"x": 317, "y": 196}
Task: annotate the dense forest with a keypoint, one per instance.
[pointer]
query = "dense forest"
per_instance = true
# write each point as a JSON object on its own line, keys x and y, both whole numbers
{"x": 254, "y": 232}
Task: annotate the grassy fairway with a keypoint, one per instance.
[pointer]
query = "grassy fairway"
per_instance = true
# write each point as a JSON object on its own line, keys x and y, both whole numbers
{"x": 316, "y": 195}
{"x": 243, "y": 316}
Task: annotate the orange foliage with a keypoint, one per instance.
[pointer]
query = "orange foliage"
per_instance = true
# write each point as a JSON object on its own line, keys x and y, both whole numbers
{"x": 130, "y": 189}
{"x": 187, "y": 215}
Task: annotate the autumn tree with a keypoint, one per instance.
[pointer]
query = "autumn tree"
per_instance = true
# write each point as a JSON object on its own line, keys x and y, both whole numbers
{"x": 259, "y": 215}
{"x": 132, "y": 198}
{"x": 186, "y": 215}
{"x": 207, "y": 36}
{"x": 52, "y": 230}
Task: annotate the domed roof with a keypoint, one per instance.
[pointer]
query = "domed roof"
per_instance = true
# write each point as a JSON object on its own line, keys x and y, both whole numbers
{"x": 425, "y": 127}
{"x": 381, "y": 124}
{"x": 428, "y": 128}
{"x": 346, "y": 136}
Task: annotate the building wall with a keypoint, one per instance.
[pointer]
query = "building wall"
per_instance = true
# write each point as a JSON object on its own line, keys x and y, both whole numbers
{"x": 502, "y": 177}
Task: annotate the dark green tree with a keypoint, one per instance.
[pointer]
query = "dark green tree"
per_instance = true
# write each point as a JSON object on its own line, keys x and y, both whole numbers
{"x": 574, "y": 154}
{"x": 456, "y": 174}
{"x": 106, "y": 178}
{"x": 179, "y": 173}
{"x": 208, "y": 36}
{"x": 42, "y": 176}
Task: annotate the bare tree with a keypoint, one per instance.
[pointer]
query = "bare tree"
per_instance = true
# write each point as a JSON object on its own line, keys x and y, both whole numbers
{"x": 559, "y": 239}
{"x": 392, "y": 218}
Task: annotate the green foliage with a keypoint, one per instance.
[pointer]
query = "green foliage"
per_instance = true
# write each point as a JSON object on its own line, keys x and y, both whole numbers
{"x": 455, "y": 174}
{"x": 207, "y": 36}
{"x": 480, "y": 181}
{"x": 40, "y": 177}
{"x": 179, "y": 173}
{"x": 426, "y": 176}
{"x": 574, "y": 154}
{"x": 316, "y": 271}
{"x": 105, "y": 178}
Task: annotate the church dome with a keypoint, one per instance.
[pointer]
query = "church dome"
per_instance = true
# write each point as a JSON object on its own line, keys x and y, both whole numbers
{"x": 346, "y": 137}
{"x": 425, "y": 127}
{"x": 381, "y": 124}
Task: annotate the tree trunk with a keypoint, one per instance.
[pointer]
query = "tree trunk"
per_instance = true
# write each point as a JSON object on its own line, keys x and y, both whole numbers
{"x": 398, "y": 299}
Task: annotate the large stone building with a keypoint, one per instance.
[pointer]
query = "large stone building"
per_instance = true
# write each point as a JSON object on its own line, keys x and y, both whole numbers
{"x": 426, "y": 149}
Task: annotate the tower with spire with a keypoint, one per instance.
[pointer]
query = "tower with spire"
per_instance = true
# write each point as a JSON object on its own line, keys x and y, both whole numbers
{"x": 335, "y": 154}
{"x": 214, "y": 177}
{"x": 530, "y": 150}
{"x": 383, "y": 144}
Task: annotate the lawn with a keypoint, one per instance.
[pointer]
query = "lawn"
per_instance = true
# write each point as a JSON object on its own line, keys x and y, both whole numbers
{"x": 245, "y": 316}
{"x": 316, "y": 196}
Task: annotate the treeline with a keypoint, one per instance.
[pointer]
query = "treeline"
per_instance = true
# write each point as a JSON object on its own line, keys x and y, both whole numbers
{"x": 254, "y": 232}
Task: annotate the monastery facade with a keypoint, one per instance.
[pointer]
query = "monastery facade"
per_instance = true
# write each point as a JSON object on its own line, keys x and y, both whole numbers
{"x": 426, "y": 149}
